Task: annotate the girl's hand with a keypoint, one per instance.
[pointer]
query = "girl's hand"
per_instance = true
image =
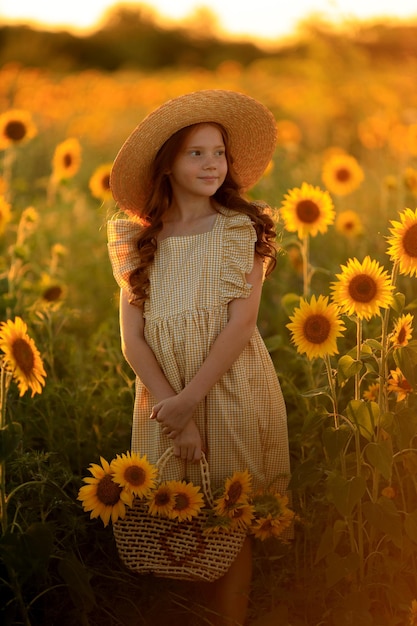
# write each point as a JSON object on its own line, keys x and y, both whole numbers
{"x": 173, "y": 414}
{"x": 187, "y": 445}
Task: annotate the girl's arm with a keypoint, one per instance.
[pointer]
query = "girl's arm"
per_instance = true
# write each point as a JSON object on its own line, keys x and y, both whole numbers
{"x": 175, "y": 412}
{"x": 143, "y": 362}
{"x": 137, "y": 352}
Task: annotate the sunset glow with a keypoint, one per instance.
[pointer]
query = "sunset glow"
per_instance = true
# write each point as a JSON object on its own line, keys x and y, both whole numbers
{"x": 270, "y": 20}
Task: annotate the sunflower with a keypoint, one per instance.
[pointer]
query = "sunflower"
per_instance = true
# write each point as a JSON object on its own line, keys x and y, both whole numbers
{"x": 403, "y": 242}
{"x": 349, "y": 224}
{"x": 66, "y": 160}
{"x": 161, "y": 501}
{"x": 307, "y": 210}
{"x": 403, "y": 330}
{"x": 102, "y": 496}
{"x": 99, "y": 183}
{"x": 397, "y": 383}
{"x": 269, "y": 526}
{"x": 413, "y": 614}
{"x": 272, "y": 516}
{"x": 16, "y": 126}
{"x": 188, "y": 500}
{"x": 242, "y": 516}
{"x": 134, "y": 473}
{"x": 236, "y": 492}
{"x": 342, "y": 174}
{"x": 21, "y": 357}
{"x": 5, "y": 214}
{"x": 362, "y": 289}
{"x": 372, "y": 393}
{"x": 315, "y": 327}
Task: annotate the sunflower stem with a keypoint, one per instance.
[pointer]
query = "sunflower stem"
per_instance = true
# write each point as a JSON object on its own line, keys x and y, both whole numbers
{"x": 358, "y": 355}
{"x": 4, "y": 378}
{"x": 305, "y": 252}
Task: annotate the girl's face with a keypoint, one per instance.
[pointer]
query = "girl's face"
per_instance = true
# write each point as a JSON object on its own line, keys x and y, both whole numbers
{"x": 200, "y": 167}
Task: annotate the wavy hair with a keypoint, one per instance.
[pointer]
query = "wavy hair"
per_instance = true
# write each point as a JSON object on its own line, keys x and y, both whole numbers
{"x": 159, "y": 200}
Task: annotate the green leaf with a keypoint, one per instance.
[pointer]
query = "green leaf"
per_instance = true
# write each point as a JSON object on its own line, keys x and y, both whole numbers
{"x": 383, "y": 515}
{"x": 10, "y": 435}
{"x": 380, "y": 456}
{"x": 330, "y": 539}
{"x": 305, "y": 474}
{"x": 398, "y": 302}
{"x": 347, "y": 367}
{"x": 335, "y": 440}
{"x": 345, "y": 493}
{"x": 406, "y": 359}
{"x": 364, "y": 415}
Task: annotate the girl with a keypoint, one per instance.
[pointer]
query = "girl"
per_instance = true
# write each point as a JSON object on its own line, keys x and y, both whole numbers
{"x": 190, "y": 264}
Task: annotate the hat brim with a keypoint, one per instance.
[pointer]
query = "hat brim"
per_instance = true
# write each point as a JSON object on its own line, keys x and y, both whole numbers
{"x": 250, "y": 126}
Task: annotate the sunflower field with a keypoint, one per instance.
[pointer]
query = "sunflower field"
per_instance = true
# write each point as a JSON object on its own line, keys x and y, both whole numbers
{"x": 338, "y": 316}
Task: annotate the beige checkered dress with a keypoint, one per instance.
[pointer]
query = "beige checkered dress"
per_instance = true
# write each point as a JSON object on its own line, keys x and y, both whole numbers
{"x": 243, "y": 418}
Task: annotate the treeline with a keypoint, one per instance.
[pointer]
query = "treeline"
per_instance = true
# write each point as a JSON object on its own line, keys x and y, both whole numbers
{"x": 130, "y": 38}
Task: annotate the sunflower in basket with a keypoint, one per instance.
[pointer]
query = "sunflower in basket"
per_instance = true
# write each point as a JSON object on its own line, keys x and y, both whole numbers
{"x": 113, "y": 487}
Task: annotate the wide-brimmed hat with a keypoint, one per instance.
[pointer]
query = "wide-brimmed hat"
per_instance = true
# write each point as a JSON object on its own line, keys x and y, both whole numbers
{"x": 250, "y": 126}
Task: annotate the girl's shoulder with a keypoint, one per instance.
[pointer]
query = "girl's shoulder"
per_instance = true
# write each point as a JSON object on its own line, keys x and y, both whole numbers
{"x": 231, "y": 218}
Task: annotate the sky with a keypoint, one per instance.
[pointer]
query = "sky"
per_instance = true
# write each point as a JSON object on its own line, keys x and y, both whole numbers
{"x": 260, "y": 19}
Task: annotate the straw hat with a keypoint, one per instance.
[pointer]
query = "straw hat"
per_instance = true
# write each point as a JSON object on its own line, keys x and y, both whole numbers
{"x": 250, "y": 126}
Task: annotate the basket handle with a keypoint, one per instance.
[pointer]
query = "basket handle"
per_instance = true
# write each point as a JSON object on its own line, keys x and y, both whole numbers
{"x": 204, "y": 469}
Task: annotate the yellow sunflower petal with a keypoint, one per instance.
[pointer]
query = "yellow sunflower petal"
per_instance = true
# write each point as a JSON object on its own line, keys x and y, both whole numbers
{"x": 403, "y": 242}
{"x": 362, "y": 289}
{"x": 307, "y": 210}
{"x": 188, "y": 500}
{"x": 342, "y": 174}
{"x": 16, "y": 127}
{"x": 134, "y": 473}
{"x": 315, "y": 327}
{"x": 21, "y": 357}
{"x": 66, "y": 159}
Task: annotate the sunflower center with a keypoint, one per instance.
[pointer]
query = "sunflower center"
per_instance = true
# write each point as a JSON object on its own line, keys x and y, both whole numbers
{"x": 316, "y": 328}
{"x": 162, "y": 498}
{"x": 307, "y": 211}
{"x": 349, "y": 225}
{"x": 23, "y": 355}
{"x": 106, "y": 182}
{"x": 52, "y": 293}
{"x": 401, "y": 337}
{"x": 67, "y": 160}
{"x": 342, "y": 174}
{"x": 362, "y": 288}
{"x": 410, "y": 241}
{"x": 182, "y": 502}
{"x": 107, "y": 491}
{"x": 135, "y": 475}
{"x": 15, "y": 130}
{"x": 234, "y": 492}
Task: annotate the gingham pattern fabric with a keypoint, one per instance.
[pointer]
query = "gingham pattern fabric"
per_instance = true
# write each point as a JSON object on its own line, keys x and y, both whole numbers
{"x": 242, "y": 420}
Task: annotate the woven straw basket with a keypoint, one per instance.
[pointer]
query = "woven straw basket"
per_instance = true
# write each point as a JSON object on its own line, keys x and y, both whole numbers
{"x": 172, "y": 549}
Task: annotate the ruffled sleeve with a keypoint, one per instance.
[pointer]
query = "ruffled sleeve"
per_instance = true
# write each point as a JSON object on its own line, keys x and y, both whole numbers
{"x": 122, "y": 236}
{"x": 238, "y": 254}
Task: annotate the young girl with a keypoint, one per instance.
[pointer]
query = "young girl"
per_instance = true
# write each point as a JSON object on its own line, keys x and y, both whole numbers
{"x": 190, "y": 263}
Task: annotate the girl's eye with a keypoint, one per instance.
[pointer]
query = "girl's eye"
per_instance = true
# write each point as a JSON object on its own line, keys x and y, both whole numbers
{"x": 195, "y": 152}
{"x": 220, "y": 153}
